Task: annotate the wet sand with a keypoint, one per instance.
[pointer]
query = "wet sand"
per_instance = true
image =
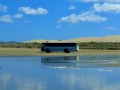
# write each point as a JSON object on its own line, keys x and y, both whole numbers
{"x": 37, "y": 52}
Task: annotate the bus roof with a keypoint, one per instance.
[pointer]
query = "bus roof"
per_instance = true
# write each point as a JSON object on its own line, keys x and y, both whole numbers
{"x": 57, "y": 42}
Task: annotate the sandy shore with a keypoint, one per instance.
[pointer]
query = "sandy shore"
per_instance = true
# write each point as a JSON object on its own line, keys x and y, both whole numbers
{"x": 37, "y": 52}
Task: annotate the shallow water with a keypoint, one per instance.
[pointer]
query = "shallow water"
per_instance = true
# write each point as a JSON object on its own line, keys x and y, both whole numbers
{"x": 97, "y": 72}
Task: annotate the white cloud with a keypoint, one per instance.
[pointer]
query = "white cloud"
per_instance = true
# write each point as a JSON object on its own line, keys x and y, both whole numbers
{"x": 87, "y": 1}
{"x": 38, "y": 11}
{"x": 107, "y": 7}
{"x": 58, "y": 26}
{"x": 6, "y": 18}
{"x": 71, "y": 7}
{"x": 18, "y": 16}
{"x": 111, "y": 28}
{"x": 86, "y": 16}
{"x": 3, "y": 8}
{"x": 73, "y": 0}
{"x": 26, "y": 21}
{"x": 117, "y": 1}
{"x": 90, "y": 0}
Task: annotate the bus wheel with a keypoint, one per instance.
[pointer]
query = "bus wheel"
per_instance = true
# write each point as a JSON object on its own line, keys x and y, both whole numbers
{"x": 47, "y": 50}
{"x": 66, "y": 50}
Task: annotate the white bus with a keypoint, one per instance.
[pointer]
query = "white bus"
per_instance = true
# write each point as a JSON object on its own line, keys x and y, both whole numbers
{"x": 66, "y": 47}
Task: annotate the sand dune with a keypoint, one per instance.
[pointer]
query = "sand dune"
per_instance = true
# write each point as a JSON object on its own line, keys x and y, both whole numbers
{"x": 42, "y": 41}
{"x": 88, "y": 39}
{"x": 98, "y": 39}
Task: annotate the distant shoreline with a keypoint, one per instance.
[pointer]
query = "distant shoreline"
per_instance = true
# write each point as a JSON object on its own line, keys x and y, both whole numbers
{"x": 37, "y": 52}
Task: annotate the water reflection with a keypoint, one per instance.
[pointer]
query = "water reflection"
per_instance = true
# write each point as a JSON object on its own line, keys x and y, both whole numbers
{"x": 92, "y": 81}
{"x": 30, "y": 73}
{"x": 61, "y": 62}
{"x": 81, "y": 61}
{"x": 8, "y": 82}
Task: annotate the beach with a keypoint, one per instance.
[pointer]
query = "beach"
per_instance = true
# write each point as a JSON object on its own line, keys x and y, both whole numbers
{"x": 37, "y": 52}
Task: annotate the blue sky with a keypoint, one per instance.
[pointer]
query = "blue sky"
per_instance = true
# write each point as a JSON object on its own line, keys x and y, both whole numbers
{"x": 22, "y": 20}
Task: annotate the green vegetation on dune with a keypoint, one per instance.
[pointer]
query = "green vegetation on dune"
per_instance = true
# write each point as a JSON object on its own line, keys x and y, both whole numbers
{"x": 82, "y": 45}
{"x": 19, "y": 45}
{"x": 100, "y": 45}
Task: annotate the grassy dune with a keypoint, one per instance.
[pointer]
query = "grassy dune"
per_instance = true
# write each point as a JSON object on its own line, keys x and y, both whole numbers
{"x": 37, "y": 52}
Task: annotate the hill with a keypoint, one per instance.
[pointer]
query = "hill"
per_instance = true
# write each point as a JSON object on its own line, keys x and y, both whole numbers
{"x": 88, "y": 39}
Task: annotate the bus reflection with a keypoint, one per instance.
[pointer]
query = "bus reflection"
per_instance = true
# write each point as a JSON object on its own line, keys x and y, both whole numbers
{"x": 61, "y": 62}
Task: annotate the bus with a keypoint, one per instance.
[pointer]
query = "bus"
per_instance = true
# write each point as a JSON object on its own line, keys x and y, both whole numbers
{"x": 65, "y": 47}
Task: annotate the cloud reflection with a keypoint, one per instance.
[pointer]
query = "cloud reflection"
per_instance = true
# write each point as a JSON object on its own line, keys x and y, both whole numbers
{"x": 4, "y": 81}
{"x": 89, "y": 82}
{"x": 28, "y": 84}
{"x": 8, "y": 83}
